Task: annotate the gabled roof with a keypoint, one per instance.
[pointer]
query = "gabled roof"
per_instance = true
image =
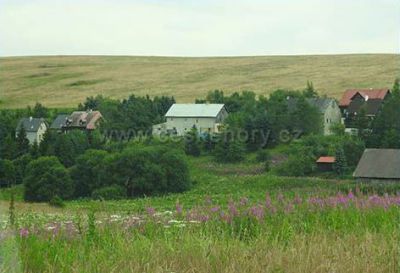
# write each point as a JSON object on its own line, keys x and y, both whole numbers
{"x": 194, "y": 110}
{"x": 379, "y": 164}
{"x": 321, "y": 103}
{"x": 370, "y": 93}
{"x": 30, "y": 124}
{"x": 59, "y": 122}
{"x": 326, "y": 159}
{"x": 82, "y": 119}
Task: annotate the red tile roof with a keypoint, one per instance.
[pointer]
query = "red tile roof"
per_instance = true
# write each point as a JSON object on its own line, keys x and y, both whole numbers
{"x": 326, "y": 159}
{"x": 371, "y": 93}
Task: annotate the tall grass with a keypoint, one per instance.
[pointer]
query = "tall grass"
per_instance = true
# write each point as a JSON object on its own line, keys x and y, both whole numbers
{"x": 340, "y": 233}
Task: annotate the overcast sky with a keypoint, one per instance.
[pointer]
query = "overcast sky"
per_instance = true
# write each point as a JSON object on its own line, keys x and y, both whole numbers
{"x": 198, "y": 28}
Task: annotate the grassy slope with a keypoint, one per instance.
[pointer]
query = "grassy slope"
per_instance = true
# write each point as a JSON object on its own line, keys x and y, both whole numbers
{"x": 66, "y": 81}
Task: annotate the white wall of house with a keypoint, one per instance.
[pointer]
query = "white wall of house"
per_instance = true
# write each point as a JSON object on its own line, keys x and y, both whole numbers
{"x": 38, "y": 136}
{"x": 332, "y": 116}
{"x": 182, "y": 125}
{"x": 40, "y": 132}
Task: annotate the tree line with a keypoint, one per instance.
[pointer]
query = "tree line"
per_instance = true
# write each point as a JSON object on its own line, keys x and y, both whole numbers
{"x": 93, "y": 166}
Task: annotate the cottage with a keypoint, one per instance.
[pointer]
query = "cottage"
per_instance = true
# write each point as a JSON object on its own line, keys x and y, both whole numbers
{"x": 330, "y": 111}
{"x": 181, "y": 118}
{"x": 366, "y": 101}
{"x": 361, "y": 95}
{"x": 34, "y": 128}
{"x": 326, "y": 163}
{"x": 328, "y": 108}
{"x": 379, "y": 165}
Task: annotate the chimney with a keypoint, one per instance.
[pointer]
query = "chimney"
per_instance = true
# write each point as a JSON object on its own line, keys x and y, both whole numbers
{"x": 30, "y": 119}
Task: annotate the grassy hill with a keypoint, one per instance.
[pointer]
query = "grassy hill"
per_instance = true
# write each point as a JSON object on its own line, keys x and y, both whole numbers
{"x": 63, "y": 81}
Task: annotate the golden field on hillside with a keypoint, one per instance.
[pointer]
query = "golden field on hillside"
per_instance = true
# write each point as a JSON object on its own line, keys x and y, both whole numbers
{"x": 64, "y": 81}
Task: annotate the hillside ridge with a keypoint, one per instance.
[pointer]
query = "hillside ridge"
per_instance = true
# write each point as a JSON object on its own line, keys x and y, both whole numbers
{"x": 64, "y": 81}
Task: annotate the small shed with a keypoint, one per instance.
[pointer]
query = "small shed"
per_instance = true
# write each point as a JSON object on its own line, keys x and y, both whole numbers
{"x": 379, "y": 165}
{"x": 326, "y": 163}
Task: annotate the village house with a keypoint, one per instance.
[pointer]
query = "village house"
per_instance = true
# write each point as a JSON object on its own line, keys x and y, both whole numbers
{"x": 362, "y": 94}
{"x": 181, "y": 118}
{"x": 81, "y": 120}
{"x": 366, "y": 101}
{"x": 379, "y": 165}
{"x": 34, "y": 128}
{"x": 59, "y": 123}
{"x": 328, "y": 108}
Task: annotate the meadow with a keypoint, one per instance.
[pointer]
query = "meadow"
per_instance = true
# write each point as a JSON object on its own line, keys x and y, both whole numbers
{"x": 65, "y": 81}
{"x": 236, "y": 218}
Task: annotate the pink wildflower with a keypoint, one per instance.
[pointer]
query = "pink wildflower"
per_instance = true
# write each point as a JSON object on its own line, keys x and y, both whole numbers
{"x": 23, "y": 232}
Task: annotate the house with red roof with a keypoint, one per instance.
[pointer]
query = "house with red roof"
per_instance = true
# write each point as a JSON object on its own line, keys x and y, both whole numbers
{"x": 351, "y": 94}
{"x": 367, "y": 101}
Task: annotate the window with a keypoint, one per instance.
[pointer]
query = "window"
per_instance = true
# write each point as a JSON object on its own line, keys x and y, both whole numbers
{"x": 197, "y": 120}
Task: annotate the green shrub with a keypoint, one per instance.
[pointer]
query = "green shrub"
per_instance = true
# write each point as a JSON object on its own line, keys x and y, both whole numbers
{"x": 340, "y": 166}
{"x": 263, "y": 156}
{"x": 20, "y": 164}
{"x": 147, "y": 170}
{"x": 46, "y": 178}
{"x": 7, "y": 173}
{"x": 87, "y": 172}
{"x": 56, "y": 201}
{"x": 229, "y": 149}
{"x": 113, "y": 192}
{"x": 192, "y": 143}
{"x": 300, "y": 164}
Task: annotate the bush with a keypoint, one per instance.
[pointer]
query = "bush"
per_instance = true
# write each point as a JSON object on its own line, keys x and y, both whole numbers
{"x": 46, "y": 178}
{"x": 87, "y": 172}
{"x": 113, "y": 192}
{"x": 192, "y": 143}
{"x": 340, "y": 165}
{"x": 20, "y": 164}
{"x": 7, "y": 173}
{"x": 148, "y": 170}
{"x": 56, "y": 201}
{"x": 229, "y": 149}
{"x": 263, "y": 156}
{"x": 353, "y": 149}
{"x": 301, "y": 164}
